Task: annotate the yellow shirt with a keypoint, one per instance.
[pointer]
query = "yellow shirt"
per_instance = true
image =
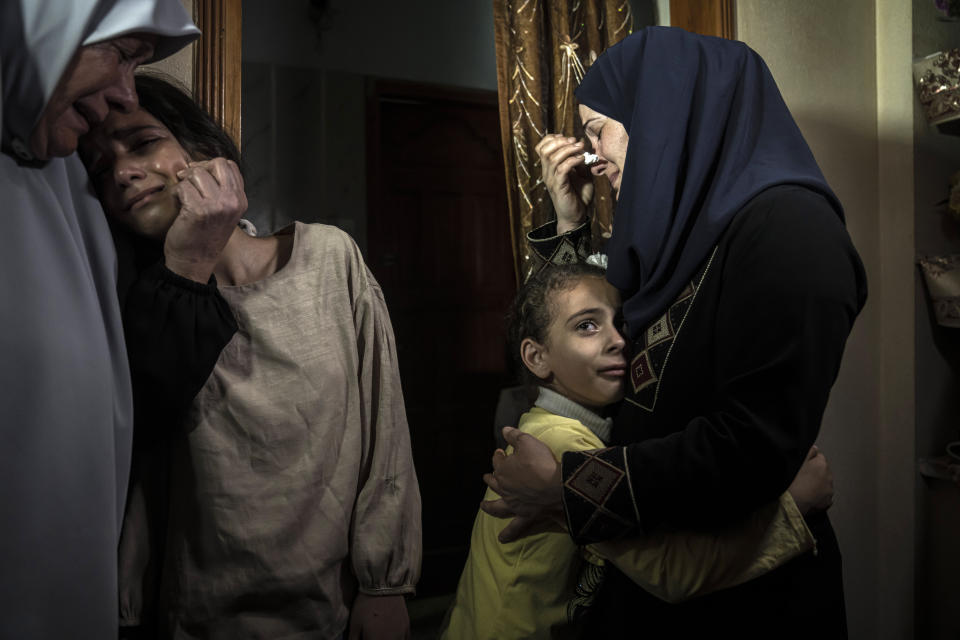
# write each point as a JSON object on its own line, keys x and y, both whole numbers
{"x": 522, "y": 589}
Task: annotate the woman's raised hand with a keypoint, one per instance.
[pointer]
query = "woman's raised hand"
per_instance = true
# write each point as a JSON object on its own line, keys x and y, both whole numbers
{"x": 212, "y": 200}
{"x": 567, "y": 179}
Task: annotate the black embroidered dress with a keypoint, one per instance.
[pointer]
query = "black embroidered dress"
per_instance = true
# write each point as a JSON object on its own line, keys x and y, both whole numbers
{"x": 725, "y": 395}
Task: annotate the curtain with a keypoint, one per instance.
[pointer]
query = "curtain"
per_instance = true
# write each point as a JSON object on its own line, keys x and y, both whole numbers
{"x": 543, "y": 49}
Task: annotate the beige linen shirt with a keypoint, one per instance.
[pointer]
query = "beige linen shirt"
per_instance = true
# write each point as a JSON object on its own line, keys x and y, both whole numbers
{"x": 294, "y": 485}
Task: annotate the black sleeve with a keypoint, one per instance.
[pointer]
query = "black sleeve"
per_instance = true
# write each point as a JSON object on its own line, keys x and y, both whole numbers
{"x": 791, "y": 287}
{"x": 175, "y": 330}
{"x": 546, "y": 247}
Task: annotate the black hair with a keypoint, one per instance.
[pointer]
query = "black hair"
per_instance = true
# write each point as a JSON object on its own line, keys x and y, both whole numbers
{"x": 531, "y": 313}
{"x": 196, "y": 131}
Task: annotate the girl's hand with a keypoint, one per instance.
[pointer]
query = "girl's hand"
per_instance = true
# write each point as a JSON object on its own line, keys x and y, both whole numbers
{"x": 212, "y": 200}
{"x": 567, "y": 179}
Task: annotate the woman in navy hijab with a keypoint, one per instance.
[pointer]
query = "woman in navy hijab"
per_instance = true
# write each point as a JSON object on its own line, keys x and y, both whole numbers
{"x": 740, "y": 286}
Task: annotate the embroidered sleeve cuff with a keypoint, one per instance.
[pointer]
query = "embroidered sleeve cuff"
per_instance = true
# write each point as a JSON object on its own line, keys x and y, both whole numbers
{"x": 548, "y": 247}
{"x": 598, "y": 500}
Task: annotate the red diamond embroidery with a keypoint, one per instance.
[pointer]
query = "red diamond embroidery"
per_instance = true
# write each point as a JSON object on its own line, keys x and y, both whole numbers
{"x": 641, "y": 373}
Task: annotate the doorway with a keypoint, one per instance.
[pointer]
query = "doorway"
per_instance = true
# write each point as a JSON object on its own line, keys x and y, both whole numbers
{"x": 439, "y": 244}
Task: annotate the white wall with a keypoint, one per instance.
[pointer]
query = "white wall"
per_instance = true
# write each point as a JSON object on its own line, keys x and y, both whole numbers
{"x": 431, "y": 41}
{"x": 662, "y": 8}
{"x": 842, "y": 90}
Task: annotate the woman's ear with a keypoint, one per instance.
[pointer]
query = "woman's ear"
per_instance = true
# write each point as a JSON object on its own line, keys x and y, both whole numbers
{"x": 535, "y": 358}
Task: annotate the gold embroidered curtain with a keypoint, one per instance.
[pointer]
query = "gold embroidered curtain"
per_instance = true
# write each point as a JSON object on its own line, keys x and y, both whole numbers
{"x": 543, "y": 49}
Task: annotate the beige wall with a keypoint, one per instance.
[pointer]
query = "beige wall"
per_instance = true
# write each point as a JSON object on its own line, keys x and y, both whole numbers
{"x": 852, "y": 100}
{"x": 896, "y": 451}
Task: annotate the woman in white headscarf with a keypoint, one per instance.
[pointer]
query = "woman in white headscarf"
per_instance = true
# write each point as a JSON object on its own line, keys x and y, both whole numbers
{"x": 65, "y": 399}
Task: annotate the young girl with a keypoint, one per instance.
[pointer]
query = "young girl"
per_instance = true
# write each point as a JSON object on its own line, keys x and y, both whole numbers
{"x": 293, "y": 505}
{"x": 564, "y": 330}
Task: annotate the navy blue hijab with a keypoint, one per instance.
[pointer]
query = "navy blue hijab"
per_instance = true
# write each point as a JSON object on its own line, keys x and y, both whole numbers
{"x": 708, "y": 132}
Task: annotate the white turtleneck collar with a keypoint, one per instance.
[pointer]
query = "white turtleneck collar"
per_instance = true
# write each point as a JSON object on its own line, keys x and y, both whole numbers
{"x": 550, "y": 400}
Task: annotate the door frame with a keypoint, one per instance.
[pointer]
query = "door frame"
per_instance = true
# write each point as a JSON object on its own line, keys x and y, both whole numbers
{"x": 217, "y": 61}
{"x": 706, "y": 17}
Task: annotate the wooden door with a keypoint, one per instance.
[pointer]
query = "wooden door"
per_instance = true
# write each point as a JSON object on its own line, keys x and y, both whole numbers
{"x": 706, "y": 17}
{"x": 438, "y": 243}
